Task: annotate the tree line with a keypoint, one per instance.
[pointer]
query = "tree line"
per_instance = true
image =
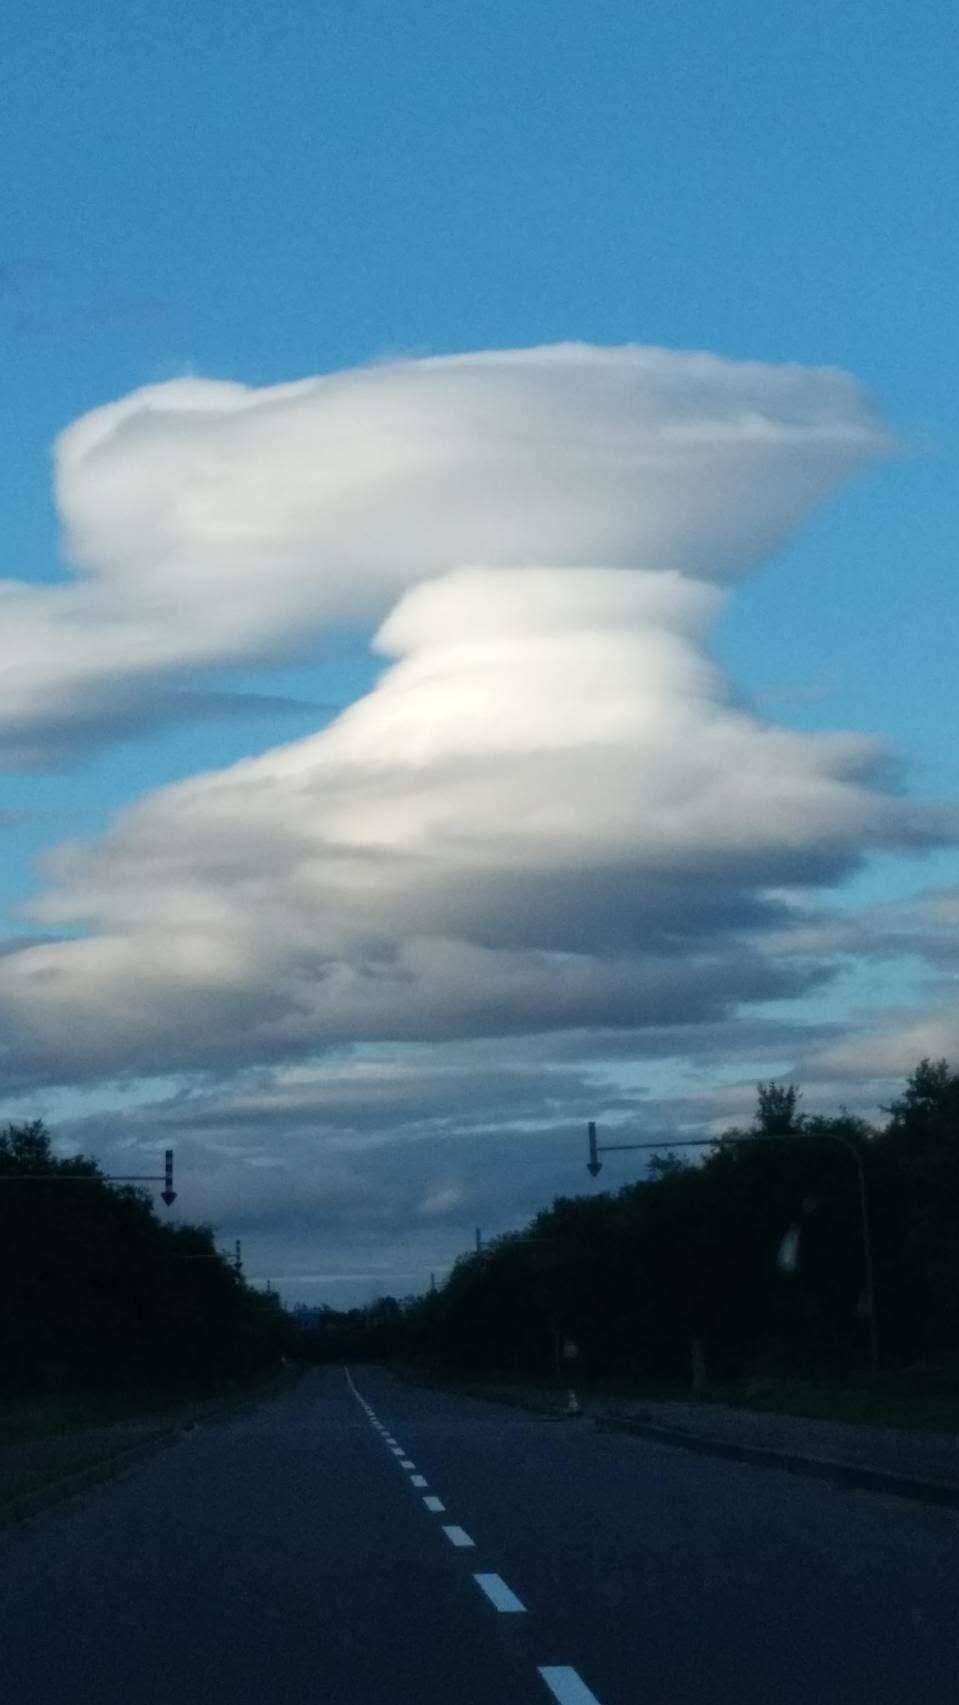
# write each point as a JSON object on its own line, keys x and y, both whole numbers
{"x": 98, "y": 1294}
{"x": 753, "y": 1252}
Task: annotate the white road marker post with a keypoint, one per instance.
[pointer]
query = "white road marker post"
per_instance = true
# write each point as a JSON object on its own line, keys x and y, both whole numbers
{"x": 570, "y": 1357}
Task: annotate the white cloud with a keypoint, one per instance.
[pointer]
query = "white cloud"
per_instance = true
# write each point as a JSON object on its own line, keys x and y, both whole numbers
{"x": 441, "y": 1198}
{"x": 535, "y": 821}
{"x": 208, "y": 524}
{"x": 882, "y": 1047}
{"x": 551, "y": 813}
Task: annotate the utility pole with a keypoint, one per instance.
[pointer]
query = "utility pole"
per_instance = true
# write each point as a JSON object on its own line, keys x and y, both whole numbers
{"x": 238, "y": 1261}
{"x": 479, "y": 1240}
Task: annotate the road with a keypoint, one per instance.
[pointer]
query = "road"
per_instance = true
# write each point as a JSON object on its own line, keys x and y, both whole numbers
{"x": 297, "y": 1554}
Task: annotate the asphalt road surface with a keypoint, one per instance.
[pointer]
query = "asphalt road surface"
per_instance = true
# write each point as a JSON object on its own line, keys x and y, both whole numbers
{"x": 360, "y": 1541}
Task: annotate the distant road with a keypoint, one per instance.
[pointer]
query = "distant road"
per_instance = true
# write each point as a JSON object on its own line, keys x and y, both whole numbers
{"x": 359, "y": 1541}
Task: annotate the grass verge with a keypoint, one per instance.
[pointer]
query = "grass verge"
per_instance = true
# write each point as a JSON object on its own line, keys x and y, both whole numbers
{"x": 44, "y": 1443}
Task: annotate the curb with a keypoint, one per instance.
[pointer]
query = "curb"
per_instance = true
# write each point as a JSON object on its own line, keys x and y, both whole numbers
{"x": 839, "y": 1473}
{"x": 855, "y": 1477}
{"x": 23, "y": 1505}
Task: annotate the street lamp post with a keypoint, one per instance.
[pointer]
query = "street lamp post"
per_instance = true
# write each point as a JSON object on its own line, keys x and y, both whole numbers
{"x": 167, "y": 1194}
{"x": 594, "y": 1166}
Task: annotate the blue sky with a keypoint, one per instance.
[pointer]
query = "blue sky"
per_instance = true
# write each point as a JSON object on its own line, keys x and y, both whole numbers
{"x": 264, "y": 195}
{"x": 262, "y": 198}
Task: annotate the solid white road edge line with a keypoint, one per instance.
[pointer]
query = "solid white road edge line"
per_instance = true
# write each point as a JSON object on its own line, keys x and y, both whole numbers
{"x": 498, "y": 1593}
{"x": 566, "y": 1686}
{"x": 459, "y": 1537}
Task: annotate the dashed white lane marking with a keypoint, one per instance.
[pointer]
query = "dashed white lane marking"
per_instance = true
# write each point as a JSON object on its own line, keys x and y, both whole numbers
{"x": 493, "y": 1586}
{"x": 498, "y": 1593}
{"x": 458, "y": 1536}
{"x": 566, "y": 1686}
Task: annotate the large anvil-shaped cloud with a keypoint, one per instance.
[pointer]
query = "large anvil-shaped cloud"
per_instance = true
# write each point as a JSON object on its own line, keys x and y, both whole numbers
{"x": 211, "y": 524}
{"x": 550, "y": 813}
